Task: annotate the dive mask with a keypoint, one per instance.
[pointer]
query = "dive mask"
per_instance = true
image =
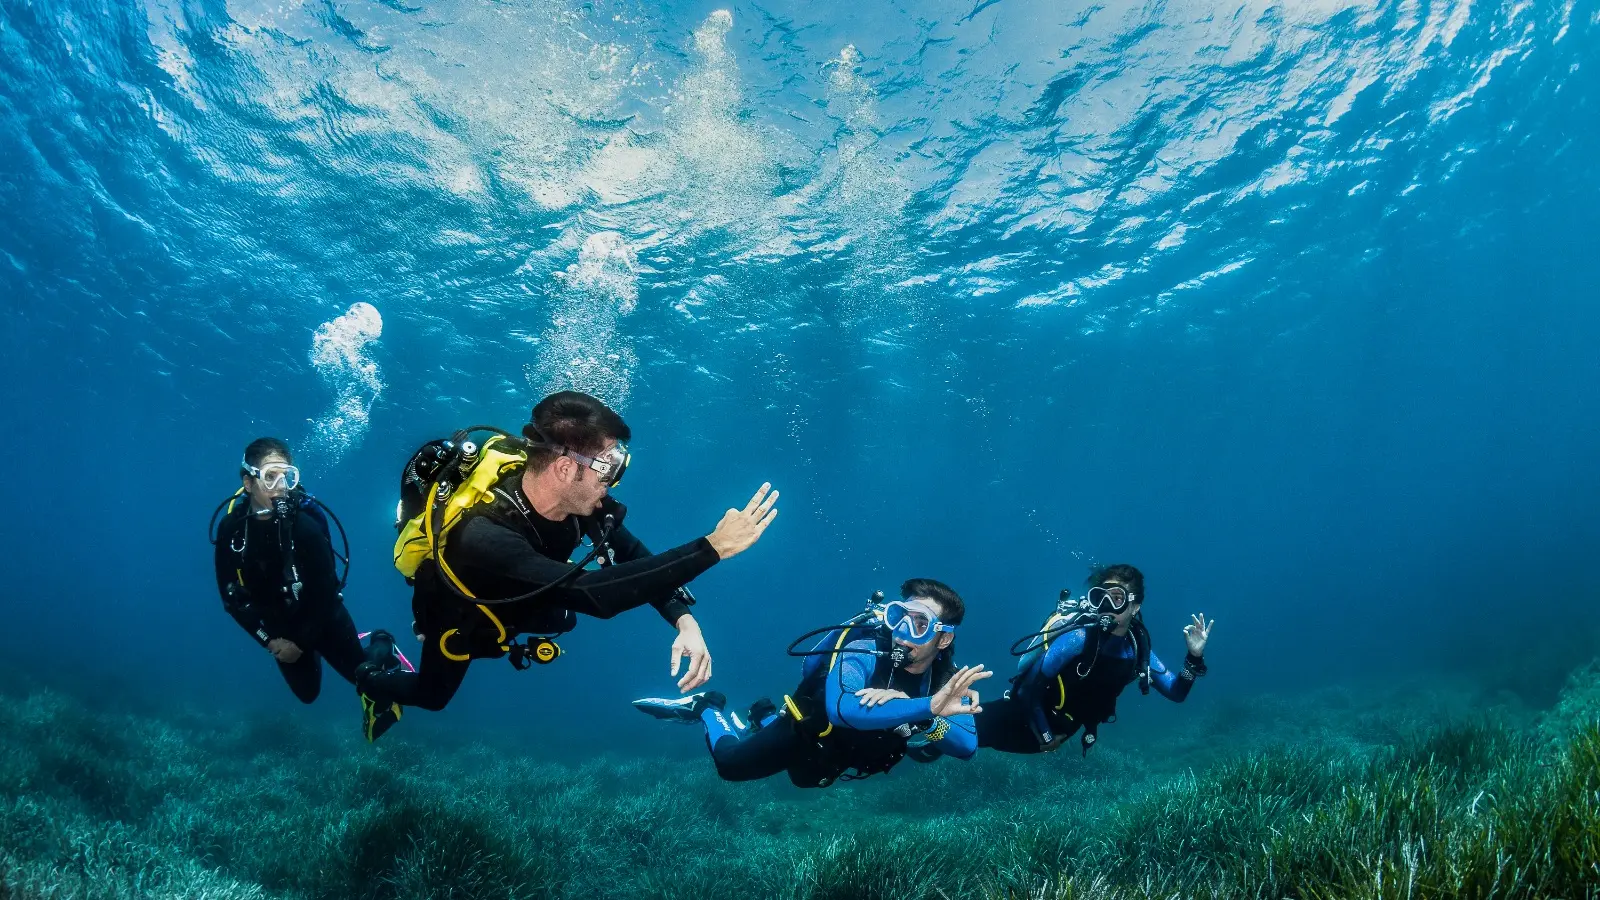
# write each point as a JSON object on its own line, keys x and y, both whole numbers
{"x": 274, "y": 476}
{"x": 913, "y": 624}
{"x": 1116, "y": 597}
{"x": 609, "y": 465}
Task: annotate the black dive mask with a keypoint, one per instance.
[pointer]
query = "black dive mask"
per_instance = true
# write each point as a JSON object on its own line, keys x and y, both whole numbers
{"x": 1112, "y": 596}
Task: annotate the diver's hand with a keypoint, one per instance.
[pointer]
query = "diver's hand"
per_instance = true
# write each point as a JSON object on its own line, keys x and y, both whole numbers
{"x": 950, "y": 701}
{"x": 871, "y": 697}
{"x": 691, "y": 643}
{"x": 283, "y": 650}
{"x": 1196, "y": 635}
{"x": 740, "y": 528}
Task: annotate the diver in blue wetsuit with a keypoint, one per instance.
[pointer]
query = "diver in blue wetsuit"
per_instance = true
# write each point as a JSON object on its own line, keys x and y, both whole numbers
{"x": 1073, "y": 669}
{"x": 873, "y": 691}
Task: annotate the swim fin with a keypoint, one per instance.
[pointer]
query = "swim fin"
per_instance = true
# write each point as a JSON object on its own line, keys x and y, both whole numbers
{"x": 377, "y": 717}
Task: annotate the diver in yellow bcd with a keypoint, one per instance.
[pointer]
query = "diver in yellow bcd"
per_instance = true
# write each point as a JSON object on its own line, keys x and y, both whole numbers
{"x": 487, "y": 536}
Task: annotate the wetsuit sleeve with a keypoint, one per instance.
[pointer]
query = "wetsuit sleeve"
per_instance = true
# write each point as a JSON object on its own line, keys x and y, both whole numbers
{"x": 485, "y": 546}
{"x": 1171, "y": 685}
{"x": 1064, "y": 650}
{"x": 630, "y": 549}
{"x": 235, "y": 600}
{"x": 853, "y": 673}
{"x": 959, "y": 738}
{"x": 1067, "y": 648}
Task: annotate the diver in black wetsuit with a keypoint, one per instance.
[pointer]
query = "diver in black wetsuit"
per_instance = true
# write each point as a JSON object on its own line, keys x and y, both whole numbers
{"x": 276, "y": 572}
{"x": 520, "y": 541}
{"x": 1076, "y": 666}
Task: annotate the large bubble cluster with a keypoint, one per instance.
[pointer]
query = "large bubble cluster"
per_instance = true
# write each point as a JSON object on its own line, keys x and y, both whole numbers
{"x": 582, "y": 349}
{"x": 340, "y": 351}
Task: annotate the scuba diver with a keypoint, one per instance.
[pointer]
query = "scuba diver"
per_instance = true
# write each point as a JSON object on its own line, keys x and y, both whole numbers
{"x": 277, "y": 574}
{"x": 873, "y": 690}
{"x": 486, "y": 537}
{"x": 1073, "y": 669}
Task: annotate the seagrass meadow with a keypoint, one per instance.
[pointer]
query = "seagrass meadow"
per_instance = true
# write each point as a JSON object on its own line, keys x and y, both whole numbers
{"x": 1336, "y": 795}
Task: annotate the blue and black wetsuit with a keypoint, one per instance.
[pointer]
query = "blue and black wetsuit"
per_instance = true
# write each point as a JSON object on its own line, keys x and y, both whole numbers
{"x": 252, "y": 558}
{"x": 824, "y": 731}
{"x": 506, "y": 549}
{"x": 1074, "y": 684}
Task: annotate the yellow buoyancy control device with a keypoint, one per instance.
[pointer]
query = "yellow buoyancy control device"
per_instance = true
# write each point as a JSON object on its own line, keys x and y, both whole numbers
{"x": 442, "y": 482}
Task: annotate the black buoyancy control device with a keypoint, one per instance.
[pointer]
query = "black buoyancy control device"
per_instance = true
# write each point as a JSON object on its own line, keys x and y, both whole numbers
{"x": 285, "y": 510}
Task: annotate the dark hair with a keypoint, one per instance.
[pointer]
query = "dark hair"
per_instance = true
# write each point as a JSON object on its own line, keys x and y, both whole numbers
{"x": 573, "y": 420}
{"x": 951, "y": 609}
{"x": 261, "y": 448}
{"x": 1122, "y": 572}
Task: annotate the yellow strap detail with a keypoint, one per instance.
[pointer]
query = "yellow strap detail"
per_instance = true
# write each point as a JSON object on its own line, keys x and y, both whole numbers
{"x": 501, "y": 640}
{"x": 491, "y": 467}
{"x": 1045, "y": 648}
{"x": 427, "y": 530}
{"x": 446, "y": 650}
{"x": 237, "y": 573}
{"x": 835, "y": 657}
{"x": 826, "y": 731}
{"x": 794, "y": 711}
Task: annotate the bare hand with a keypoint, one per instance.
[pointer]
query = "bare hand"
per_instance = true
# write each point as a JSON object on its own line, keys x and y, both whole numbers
{"x": 1196, "y": 635}
{"x": 950, "y": 699}
{"x": 871, "y": 697}
{"x": 691, "y": 643}
{"x": 283, "y": 650}
{"x": 740, "y": 528}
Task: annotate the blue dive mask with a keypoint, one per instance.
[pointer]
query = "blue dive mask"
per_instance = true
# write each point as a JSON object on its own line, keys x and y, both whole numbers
{"x": 913, "y": 624}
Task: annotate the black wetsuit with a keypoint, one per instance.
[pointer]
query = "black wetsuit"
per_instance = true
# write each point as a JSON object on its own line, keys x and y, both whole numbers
{"x": 505, "y": 549}
{"x": 251, "y": 576}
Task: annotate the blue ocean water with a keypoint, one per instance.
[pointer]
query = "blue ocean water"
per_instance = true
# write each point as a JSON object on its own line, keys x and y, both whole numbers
{"x": 1289, "y": 304}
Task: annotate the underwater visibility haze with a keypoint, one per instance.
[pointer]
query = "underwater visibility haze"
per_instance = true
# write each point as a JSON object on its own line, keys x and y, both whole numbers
{"x": 1290, "y": 304}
